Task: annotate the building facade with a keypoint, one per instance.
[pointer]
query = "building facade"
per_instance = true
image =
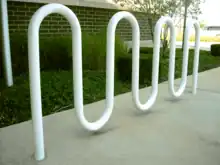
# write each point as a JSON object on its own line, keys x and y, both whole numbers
{"x": 92, "y": 14}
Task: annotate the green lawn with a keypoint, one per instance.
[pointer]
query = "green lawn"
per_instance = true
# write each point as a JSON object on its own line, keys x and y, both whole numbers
{"x": 57, "y": 89}
{"x": 57, "y": 94}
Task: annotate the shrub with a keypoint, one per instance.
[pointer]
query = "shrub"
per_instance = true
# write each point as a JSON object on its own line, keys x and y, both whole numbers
{"x": 53, "y": 53}
{"x": 124, "y": 69}
{"x": 57, "y": 85}
{"x": 215, "y": 49}
{"x": 94, "y": 50}
{"x": 18, "y": 54}
{"x": 145, "y": 50}
{"x": 56, "y": 52}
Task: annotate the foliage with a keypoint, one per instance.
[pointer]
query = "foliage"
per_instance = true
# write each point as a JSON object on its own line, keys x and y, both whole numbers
{"x": 94, "y": 50}
{"x": 202, "y": 24}
{"x": 57, "y": 94}
{"x": 157, "y": 8}
{"x": 206, "y": 62}
{"x": 56, "y": 52}
{"x": 144, "y": 50}
{"x": 57, "y": 86}
{"x": 154, "y": 7}
{"x": 191, "y": 7}
{"x": 145, "y": 74}
{"x": 215, "y": 49}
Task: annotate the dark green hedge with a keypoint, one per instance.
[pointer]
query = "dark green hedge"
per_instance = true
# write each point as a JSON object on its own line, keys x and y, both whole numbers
{"x": 144, "y": 50}
{"x": 56, "y": 52}
{"x": 215, "y": 49}
{"x": 124, "y": 68}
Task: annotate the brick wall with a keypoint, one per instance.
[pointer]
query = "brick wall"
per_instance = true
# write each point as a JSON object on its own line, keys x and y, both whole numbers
{"x": 92, "y": 20}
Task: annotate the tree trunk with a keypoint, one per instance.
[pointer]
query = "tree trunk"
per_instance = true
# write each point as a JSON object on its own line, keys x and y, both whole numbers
{"x": 184, "y": 24}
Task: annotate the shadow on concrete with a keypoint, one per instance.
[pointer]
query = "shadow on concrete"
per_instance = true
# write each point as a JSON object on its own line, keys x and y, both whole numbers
{"x": 84, "y": 134}
{"x": 189, "y": 89}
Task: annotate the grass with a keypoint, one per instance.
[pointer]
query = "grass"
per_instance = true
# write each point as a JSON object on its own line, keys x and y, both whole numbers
{"x": 206, "y": 62}
{"x": 57, "y": 94}
{"x": 57, "y": 88}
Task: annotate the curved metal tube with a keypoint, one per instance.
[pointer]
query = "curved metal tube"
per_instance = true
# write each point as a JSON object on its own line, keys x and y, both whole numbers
{"x": 156, "y": 58}
{"x": 196, "y": 56}
{"x": 110, "y": 60}
{"x": 34, "y": 67}
{"x": 6, "y": 44}
{"x": 183, "y": 82}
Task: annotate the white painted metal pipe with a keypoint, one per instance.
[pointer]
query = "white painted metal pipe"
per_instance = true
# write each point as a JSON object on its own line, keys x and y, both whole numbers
{"x": 34, "y": 68}
{"x": 6, "y": 44}
{"x": 183, "y": 82}
{"x": 196, "y": 56}
{"x": 156, "y": 58}
{"x": 110, "y": 60}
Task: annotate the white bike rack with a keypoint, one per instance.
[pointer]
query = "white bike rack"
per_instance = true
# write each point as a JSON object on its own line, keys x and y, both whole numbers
{"x": 6, "y": 44}
{"x": 34, "y": 67}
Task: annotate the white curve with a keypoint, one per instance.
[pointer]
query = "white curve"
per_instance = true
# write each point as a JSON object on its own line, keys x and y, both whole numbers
{"x": 156, "y": 59}
{"x": 183, "y": 82}
{"x": 34, "y": 67}
{"x": 110, "y": 67}
{"x": 155, "y": 70}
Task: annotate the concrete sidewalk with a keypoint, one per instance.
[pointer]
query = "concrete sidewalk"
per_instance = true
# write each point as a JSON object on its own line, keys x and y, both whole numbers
{"x": 175, "y": 132}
